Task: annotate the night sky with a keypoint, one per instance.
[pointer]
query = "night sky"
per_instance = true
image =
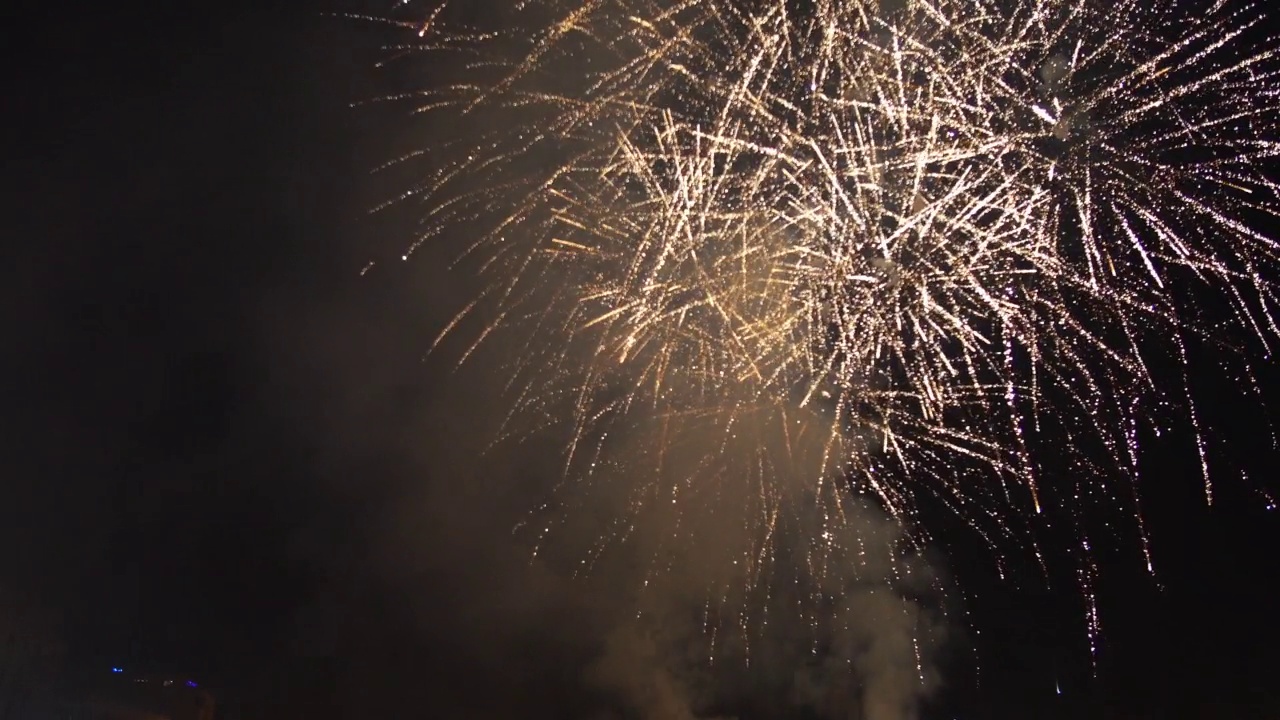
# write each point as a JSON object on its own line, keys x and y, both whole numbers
{"x": 226, "y": 456}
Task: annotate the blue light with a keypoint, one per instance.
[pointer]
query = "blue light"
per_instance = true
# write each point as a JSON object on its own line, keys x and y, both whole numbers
{"x": 117, "y": 670}
{"x": 191, "y": 684}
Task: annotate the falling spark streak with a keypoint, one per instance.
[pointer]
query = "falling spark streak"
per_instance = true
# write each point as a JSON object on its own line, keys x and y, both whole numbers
{"x": 855, "y": 251}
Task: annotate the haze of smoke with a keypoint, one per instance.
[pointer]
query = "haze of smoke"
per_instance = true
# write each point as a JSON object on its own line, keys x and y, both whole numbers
{"x": 649, "y": 605}
{"x": 868, "y": 657}
{"x": 840, "y": 643}
{"x": 705, "y": 625}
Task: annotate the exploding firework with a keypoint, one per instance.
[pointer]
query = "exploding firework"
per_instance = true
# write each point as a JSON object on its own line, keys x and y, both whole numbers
{"x": 772, "y": 260}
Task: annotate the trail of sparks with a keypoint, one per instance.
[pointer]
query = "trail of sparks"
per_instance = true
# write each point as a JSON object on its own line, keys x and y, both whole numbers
{"x": 802, "y": 253}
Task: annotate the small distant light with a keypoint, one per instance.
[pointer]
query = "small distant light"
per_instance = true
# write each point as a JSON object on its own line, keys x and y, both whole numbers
{"x": 117, "y": 670}
{"x": 191, "y": 684}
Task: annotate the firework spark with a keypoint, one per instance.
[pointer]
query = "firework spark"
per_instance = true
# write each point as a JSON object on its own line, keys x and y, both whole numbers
{"x": 847, "y": 249}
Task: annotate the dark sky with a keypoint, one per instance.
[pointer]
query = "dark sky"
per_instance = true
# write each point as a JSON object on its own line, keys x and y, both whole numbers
{"x": 225, "y": 456}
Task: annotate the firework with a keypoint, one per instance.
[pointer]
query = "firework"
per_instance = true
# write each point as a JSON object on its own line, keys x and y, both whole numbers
{"x": 795, "y": 255}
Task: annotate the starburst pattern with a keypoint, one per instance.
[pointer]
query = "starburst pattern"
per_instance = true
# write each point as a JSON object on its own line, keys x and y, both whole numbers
{"x": 831, "y": 250}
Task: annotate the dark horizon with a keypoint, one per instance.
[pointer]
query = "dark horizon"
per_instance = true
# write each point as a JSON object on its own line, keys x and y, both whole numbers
{"x": 230, "y": 459}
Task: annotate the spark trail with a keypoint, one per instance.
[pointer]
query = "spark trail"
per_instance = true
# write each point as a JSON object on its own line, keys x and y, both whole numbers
{"x": 854, "y": 248}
